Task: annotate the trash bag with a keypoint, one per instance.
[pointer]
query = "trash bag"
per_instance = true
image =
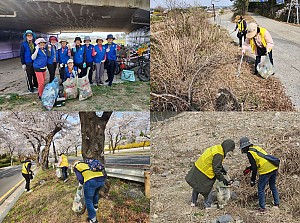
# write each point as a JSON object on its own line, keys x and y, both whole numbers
{"x": 58, "y": 172}
{"x": 79, "y": 202}
{"x": 50, "y": 94}
{"x": 265, "y": 67}
{"x": 70, "y": 88}
{"x": 85, "y": 90}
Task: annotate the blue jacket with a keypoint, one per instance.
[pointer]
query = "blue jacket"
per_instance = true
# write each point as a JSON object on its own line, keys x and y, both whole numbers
{"x": 41, "y": 60}
{"x": 63, "y": 56}
{"x": 51, "y": 55}
{"x": 68, "y": 74}
{"x": 112, "y": 54}
{"x": 78, "y": 55}
{"x": 100, "y": 54}
{"x": 25, "y": 53}
{"x": 88, "y": 54}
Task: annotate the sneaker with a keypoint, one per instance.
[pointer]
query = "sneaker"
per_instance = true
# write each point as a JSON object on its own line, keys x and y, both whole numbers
{"x": 276, "y": 207}
{"x": 31, "y": 90}
{"x": 96, "y": 207}
{"x": 101, "y": 82}
{"x": 193, "y": 204}
{"x": 92, "y": 221}
{"x": 107, "y": 81}
{"x": 65, "y": 180}
{"x": 40, "y": 98}
{"x": 29, "y": 191}
{"x": 261, "y": 210}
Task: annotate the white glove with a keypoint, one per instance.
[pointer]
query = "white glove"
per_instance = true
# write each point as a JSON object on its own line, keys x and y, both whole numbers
{"x": 107, "y": 50}
{"x": 243, "y": 52}
{"x": 80, "y": 184}
{"x": 24, "y": 67}
{"x": 37, "y": 47}
{"x": 102, "y": 61}
{"x": 95, "y": 53}
{"x": 61, "y": 65}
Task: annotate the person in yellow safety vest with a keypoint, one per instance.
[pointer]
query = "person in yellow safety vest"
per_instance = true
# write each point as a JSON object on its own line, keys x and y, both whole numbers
{"x": 63, "y": 164}
{"x": 207, "y": 169}
{"x": 266, "y": 170}
{"x": 260, "y": 41}
{"x": 27, "y": 174}
{"x": 241, "y": 25}
{"x": 92, "y": 182}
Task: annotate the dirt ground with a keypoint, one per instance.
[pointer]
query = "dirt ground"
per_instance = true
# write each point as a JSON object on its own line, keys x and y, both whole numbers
{"x": 178, "y": 141}
{"x": 122, "y": 96}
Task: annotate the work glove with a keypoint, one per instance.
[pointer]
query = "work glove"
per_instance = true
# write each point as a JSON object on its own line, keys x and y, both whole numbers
{"x": 102, "y": 61}
{"x": 84, "y": 65}
{"x": 37, "y": 47}
{"x": 79, "y": 70}
{"x": 74, "y": 49}
{"x": 252, "y": 183}
{"x": 247, "y": 170}
{"x": 61, "y": 65}
{"x": 225, "y": 182}
{"x": 24, "y": 67}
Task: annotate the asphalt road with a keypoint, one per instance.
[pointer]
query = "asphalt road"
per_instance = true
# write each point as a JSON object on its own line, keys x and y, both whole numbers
{"x": 9, "y": 177}
{"x": 286, "y": 52}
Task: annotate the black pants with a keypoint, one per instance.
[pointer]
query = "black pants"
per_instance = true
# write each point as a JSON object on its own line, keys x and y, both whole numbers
{"x": 31, "y": 77}
{"x": 51, "y": 69}
{"x": 240, "y": 35}
{"x": 261, "y": 52}
{"x": 111, "y": 64}
{"x": 64, "y": 172}
{"x": 88, "y": 64}
{"x": 27, "y": 179}
{"x": 62, "y": 72}
{"x": 80, "y": 66}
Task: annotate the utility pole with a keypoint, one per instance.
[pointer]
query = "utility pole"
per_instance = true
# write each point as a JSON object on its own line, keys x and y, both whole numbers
{"x": 297, "y": 10}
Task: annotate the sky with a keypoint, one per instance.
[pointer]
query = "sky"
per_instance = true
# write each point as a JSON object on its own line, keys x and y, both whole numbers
{"x": 154, "y": 3}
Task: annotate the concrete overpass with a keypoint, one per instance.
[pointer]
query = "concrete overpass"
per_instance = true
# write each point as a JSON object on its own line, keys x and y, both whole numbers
{"x": 51, "y": 16}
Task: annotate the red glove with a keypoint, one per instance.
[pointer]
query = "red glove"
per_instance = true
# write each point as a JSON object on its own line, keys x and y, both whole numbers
{"x": 247, "y": 171}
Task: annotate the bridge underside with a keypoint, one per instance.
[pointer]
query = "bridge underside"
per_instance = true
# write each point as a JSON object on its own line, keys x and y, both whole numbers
{"x": 73, "y": 15}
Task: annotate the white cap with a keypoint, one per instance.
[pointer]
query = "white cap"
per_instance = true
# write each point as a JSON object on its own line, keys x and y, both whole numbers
{"x": 70, "y": 61}
{"x": 40, "y": 40}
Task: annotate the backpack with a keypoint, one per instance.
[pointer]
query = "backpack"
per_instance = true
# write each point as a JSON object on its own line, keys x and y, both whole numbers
{"x": 272, "y": 159}
{"x": 95, "y": 165}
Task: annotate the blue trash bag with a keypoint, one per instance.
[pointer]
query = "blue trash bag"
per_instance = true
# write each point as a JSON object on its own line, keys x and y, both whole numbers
{"x": 50, "y": 94}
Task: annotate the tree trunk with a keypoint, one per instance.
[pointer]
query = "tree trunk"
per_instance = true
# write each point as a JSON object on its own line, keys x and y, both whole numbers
{"x": 93, "y": 136}
{"x": 54, "y": 152}
{"x": 45, "y": 152}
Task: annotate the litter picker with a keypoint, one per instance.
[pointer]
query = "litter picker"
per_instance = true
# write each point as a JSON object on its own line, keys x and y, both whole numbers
{"x": 240, "y": 65}
{"x": 27, "y": 81}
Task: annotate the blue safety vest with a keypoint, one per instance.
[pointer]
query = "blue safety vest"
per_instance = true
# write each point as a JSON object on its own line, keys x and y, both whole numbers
{"x": 78, "y": 55}
{"x": 112, "y": 54}
{"x": 63, "y": 56}
{"x": 70, "y": 74}
{"x": 88, "y": 51}
{"x": 41, "y": 59}
{"x": 27, "y": 52}
{"x": 51, "y": 57}
{"x": 100, "y": 54}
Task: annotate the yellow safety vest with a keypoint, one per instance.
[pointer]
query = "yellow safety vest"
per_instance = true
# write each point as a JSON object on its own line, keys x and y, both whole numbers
{"x": 241, "y": 25}
{"x": 263, "y": 166}
{"x": 86, "y": 172}
{"x": 64, "y": 161}
{"x": 24, "y": 166}
{"x": 263, "y": 40}
{"x": 205, "y": 162}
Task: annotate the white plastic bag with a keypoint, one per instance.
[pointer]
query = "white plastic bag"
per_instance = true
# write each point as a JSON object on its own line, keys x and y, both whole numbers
{"x": 70, "y": 88}
{"x": 265, "y": 67}
{"x": 85, "y": 90}
{"x": 58, "y": 172}
{"x": 79, "y": 202}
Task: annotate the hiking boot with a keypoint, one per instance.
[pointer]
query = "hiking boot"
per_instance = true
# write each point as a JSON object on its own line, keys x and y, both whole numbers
{"x": 193, "y": 204}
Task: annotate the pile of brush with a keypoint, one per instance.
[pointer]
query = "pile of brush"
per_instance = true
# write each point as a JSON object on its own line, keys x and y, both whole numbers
{"x": 194, "y": 65}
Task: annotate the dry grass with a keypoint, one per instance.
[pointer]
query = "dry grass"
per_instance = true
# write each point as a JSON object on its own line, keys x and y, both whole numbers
{"x": 194, "y": 66}
{"x": 186, "y": 136}
{"x": 52, "y": 203}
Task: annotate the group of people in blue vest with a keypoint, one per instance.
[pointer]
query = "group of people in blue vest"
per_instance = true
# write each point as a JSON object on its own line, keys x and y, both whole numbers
{"x": 37, "y": 56}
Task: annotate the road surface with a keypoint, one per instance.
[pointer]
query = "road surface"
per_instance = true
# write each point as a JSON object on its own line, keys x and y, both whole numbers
{"x": 286, "y": 52}
{"x": 9, "y": 177}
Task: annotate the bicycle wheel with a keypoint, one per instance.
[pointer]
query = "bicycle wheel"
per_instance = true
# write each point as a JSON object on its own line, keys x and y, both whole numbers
{"x": 144, "y": 72}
